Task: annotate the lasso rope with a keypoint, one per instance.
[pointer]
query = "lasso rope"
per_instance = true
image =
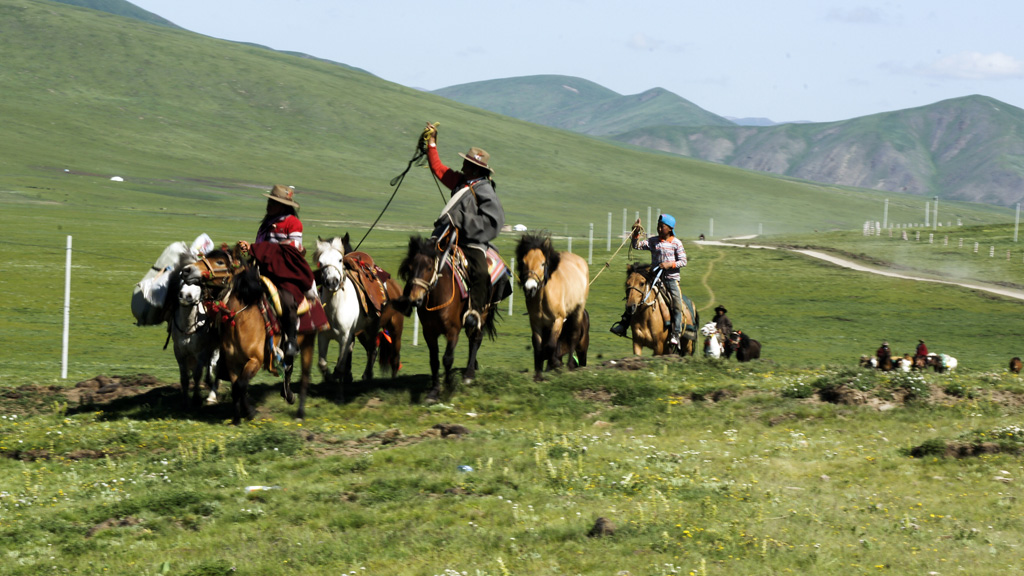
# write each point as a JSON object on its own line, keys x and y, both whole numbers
{"x": 608, "y": 263}
{"x": 418, "y": 159}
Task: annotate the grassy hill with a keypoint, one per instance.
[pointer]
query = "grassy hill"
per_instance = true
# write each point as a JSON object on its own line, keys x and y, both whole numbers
{"x": 200, "y": 125}
{"x": 969, "y": 149}
{"x": 580, "y": 105}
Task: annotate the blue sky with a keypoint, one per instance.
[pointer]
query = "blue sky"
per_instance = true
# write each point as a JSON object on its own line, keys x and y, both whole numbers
{"x": 786, "y": 60}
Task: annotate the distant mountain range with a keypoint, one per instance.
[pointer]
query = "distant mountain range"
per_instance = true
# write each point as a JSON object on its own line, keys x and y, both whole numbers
{"x": 969, "y": 148}
{"x": 580, "y": 105}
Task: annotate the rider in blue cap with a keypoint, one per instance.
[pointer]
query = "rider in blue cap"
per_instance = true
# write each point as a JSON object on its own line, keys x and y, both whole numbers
{"x": 667, "y": 253}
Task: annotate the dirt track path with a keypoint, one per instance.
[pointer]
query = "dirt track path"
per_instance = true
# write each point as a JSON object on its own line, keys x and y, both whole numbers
{"x": 992, "y": 288}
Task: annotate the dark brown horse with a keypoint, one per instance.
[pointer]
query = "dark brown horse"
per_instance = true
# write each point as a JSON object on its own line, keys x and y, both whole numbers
{"x": 245, "y": 345}
{"x": 556, "y": 285}
{"x": 430, "y": 287}
{"x": 747, "y": 348}
{"x": 650, "y": 312}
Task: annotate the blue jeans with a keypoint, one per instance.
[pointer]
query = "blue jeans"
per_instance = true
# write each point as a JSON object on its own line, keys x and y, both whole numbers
{"x": 672, "y": 287}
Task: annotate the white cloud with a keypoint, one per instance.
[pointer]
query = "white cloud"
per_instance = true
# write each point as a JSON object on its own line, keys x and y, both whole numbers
{"x": 643, "y": 42}
{"x": 976, "y": 66}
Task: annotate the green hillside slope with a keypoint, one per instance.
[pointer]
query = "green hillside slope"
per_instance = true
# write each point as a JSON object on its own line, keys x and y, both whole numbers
{"x": 969, "y": 149}
{"x": 198, "y": 125}
{"x": 580, "y": 105}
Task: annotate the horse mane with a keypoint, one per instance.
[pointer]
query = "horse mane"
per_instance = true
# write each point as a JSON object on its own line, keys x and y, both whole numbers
{"x": 540, "y": 242}
{"x": 247, "y": 286}
{"x": 418, "y": 245}
{"x": 641, "y": 269}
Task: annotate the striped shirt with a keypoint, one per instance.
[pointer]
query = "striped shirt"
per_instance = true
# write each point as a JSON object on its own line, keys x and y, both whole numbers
{"x": 287, "y": 230}
{"x": 669, "y": 250}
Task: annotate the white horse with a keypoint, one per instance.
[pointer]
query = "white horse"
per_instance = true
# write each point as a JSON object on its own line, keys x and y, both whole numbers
{"x": 712, "y": 345}
{"x": 196, "y": 344}
{"x": 341, "y": 303}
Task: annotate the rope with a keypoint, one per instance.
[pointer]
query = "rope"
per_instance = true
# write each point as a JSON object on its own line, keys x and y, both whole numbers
{"x": 608, "y": 263}
{"x": 418, "y": 159}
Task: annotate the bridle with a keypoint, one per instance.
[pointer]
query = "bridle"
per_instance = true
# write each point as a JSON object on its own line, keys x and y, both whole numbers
{"x": 646, "y": 294}
{"x": 340, "y": 267}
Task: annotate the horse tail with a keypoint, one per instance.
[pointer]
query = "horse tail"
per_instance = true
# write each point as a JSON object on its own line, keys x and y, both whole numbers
{"x": 387, "y": 352}
{"x": 490, "y": 328}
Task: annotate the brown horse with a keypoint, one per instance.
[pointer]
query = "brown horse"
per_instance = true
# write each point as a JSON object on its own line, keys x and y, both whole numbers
{"x": 430, "y": 287}
{"x": 556, "y": 285}
{"x": 245, "y": 346}
{"x": 650, "y": 314}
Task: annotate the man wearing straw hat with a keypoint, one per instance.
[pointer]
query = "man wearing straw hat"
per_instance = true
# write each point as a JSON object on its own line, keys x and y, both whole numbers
{"x": 474, "y": 213}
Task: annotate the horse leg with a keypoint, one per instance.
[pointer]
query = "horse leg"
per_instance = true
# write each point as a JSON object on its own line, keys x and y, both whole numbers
{"x": 184, "y": 375}
{"x": 435, "y": 368}
{"x": 240, "y": 391}
{"x": 471, "y": 364}
{"x": 368, "y": 338}
{"x": 212, "y": 381}
{"x": 551, "y": 344}
{"x": 306, "y": 355}
{"x": 538, "y": 355}
{"x": 323, "y": 346}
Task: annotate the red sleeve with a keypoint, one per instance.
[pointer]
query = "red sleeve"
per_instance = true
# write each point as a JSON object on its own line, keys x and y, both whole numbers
{"x": 446, "y": 175}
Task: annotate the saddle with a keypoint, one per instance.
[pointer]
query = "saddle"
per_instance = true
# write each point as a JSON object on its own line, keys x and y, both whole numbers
{"x": 312, "y": 317}
{"x": 369, "y": 279}
{"x": 689, "y": 331}
{"x": 501, "y": 285}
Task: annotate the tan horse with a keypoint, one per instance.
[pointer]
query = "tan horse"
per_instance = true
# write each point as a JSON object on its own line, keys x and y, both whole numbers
{"x": 556, "y": 285}
{"x": 245, "y": 347}
{"x": 651, "y": 314}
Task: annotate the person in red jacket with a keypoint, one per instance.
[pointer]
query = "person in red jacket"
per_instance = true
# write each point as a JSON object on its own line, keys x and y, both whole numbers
{"x": 475, "y": 212}
{"x": 278, "y": 249}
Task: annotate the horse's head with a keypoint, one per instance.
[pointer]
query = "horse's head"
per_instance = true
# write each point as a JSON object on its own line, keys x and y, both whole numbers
{"x": 537, "y": 261}
{"x": 213, "y": 270}
{"x": 419, "y": 269}
{"x": 637, "y": 285}
{"x": 328, "y": 256}
{"x": 709, "y": 329}
{"x": 190, "y": 294}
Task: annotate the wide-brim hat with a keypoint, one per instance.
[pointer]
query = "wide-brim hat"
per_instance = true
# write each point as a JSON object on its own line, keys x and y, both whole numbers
{"x": 283, "y": 194}
{"x": 478, "y": 156}
{"x": 722, "y": 308}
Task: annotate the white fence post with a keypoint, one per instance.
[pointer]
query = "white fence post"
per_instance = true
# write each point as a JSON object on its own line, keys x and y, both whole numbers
{"x": 590, "y": 246}
{"x": 67, "y": 313}
{"x": 513, "y": 294}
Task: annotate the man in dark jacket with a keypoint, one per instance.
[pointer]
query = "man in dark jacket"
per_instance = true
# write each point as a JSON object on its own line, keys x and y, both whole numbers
{"x": 474, "y": 213}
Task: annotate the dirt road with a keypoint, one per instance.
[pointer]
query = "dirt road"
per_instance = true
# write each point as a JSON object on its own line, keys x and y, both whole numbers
{"x": 992, "y": 288}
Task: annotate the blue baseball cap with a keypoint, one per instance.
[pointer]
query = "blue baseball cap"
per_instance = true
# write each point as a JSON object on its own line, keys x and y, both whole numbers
{"x": 668, "y": 220}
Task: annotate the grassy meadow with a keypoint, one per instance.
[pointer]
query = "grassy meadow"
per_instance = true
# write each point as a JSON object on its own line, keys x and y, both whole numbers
{"x": 703, "y": 467}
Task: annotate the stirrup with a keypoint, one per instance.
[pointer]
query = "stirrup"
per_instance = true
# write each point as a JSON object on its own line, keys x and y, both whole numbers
{"x": 619, "y": 329}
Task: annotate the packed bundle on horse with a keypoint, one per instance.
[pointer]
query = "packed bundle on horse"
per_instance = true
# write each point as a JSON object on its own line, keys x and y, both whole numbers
{"x": 150, "y": 295}
{"x": 712, "y": 340}
{"x": 556, "y": 285}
